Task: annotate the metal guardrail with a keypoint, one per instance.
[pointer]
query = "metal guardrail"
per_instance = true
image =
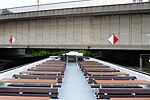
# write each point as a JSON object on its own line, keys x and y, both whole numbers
{"x": 50, "y": 6}
{"x": 61, "y": 5}
{"x": 139, "y": 71}
{"x": 3, "y": 71}
{"x": 133, "y": 69}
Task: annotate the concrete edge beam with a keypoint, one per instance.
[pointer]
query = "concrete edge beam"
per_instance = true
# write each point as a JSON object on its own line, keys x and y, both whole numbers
{"x": 99, "y": 10}
{"x": 116, "y": 47}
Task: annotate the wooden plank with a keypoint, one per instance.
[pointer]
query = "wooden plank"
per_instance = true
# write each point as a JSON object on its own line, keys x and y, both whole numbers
{"x": 11, "y": 80}
{"x": 47, "y": 67}
{"x": 46, "y": 70}
{"x": 98, "y": 68}
{"x": 58, "y": 63}
{"x": 83, "y": 67}
{"x": 129, "y": 98}
{"x": 101, "y": 70}
{"x": 121, "y": 82}
{"x": 108, "y": 73}
{"x": 23, "y": 98}
{"x": 55, "y": 65}
{"x": 112, "y": 77}
{"x": 90, "y": 63}
{"x": 94, "y": 65}
{"x": 40, "y": 72}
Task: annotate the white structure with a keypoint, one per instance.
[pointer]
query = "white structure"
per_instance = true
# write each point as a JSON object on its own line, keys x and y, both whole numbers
{"x": 73, "y": 53}
{"x": 72, "y": 56}
{"x": 137, "y": 1}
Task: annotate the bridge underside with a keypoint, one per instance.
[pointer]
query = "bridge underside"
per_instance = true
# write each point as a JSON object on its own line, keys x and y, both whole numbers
{"x": 102, "y": 47}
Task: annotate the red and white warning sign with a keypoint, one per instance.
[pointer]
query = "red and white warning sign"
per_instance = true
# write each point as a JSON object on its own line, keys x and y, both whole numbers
{"x": 113, "y": 39}
{"x": 12, "y": 39}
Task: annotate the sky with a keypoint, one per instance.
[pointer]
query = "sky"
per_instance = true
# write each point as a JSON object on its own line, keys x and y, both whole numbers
{"x": 18, "y": 3}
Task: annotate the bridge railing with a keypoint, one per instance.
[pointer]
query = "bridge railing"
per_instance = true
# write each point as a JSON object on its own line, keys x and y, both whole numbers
{"x": 62, "y": 5}
{"x": 50, "y": 6}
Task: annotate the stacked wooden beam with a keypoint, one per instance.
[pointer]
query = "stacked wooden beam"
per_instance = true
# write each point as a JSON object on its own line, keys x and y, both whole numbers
{"x": 110, "y": 83}
{"x": 41, "y": 81}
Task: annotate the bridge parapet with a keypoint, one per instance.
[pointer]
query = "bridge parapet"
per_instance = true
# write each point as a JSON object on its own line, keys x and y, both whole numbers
{"x": 76, "y": 11}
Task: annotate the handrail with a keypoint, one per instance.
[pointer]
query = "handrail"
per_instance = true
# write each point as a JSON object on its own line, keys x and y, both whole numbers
{"x": 49, "y": 6}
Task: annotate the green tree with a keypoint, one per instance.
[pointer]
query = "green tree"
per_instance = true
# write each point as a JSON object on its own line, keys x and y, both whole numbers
{"x": 43, "y": 52}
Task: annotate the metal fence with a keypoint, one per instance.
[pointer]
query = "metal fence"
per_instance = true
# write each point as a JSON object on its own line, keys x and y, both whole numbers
{"x": 62, "y": 5}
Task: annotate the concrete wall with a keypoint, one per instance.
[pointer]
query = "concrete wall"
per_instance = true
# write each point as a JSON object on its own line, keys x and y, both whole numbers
{"x": 59, "y": 32}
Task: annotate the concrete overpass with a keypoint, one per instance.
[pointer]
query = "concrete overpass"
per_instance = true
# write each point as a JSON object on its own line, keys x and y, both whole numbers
{"x": 79, "y": 27}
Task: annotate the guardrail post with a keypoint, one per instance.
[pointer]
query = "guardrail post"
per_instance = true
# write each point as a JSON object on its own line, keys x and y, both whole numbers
{"x": 141, "y": 66}
{"x": 67, "y": 60}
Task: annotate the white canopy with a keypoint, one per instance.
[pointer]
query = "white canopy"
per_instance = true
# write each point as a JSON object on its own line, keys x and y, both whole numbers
{"x": 73, "y": 53}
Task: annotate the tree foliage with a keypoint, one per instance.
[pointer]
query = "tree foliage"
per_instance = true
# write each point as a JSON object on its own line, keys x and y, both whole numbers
{"x": 43, "y": 52}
